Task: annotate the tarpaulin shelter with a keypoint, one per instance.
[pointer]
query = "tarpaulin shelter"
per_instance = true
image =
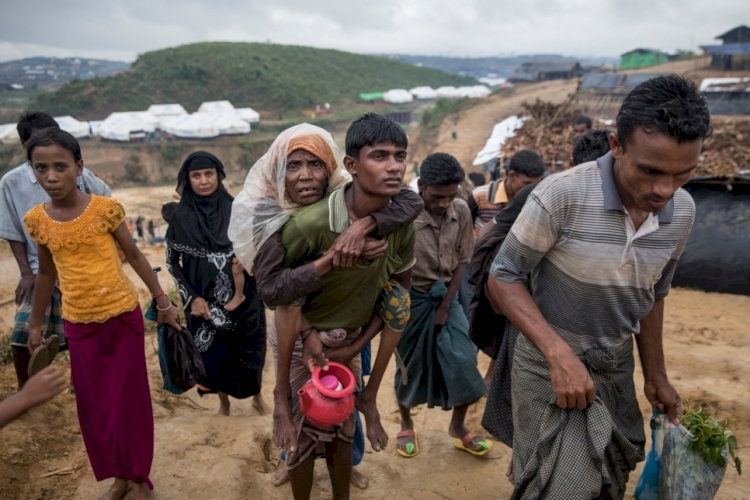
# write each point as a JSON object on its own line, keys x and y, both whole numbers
{"x": 248, "y": 114}
{"x": 195, "y": 126}
{"x": 398, "y": 96}
{"x": 9, "y": 134}
{"x": 216, "y": 107}
{"x": 447, "y": 92}
{"x": 500, "y": 134}
{"x": 123, "y": 126}
{"x": 79, "y": 130}
{"x": 473, "y": 91}
{"x": 371, "y": 96}
{"x": 95, "y": 126}
{"x": 166, "y": 110}
{"x": 227, "y": 123}
{"x": 715, "y": 258}
{"x": 423, "y": 93}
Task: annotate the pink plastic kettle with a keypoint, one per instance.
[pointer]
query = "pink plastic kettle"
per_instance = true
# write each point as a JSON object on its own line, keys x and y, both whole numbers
{"x": 325, "y": 407}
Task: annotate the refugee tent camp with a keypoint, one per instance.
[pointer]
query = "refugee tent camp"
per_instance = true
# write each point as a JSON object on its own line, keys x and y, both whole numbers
{"x": 8, "y": 134}
{"x": 248, "y": 114}
{"x": 227, "y": 123}
{"x": 122, "y": 127}
{"x": 398, "y": 96}
{"x": 423, "y": 93}
{"x": 166, "y": 110}
{"x": 195, "y": 126}
{"x": 447, "y": 92}
{"x": 79, "y": 130}
{"x": 95, "y": 126}
{"x": 473, "y": 92}
{"x": 216, "y": 107}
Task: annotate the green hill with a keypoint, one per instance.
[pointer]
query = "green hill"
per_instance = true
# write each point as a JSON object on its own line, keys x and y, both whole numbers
{"x": 259, "y": 75}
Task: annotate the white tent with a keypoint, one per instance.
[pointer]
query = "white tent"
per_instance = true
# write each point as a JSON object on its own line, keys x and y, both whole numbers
{"x": 9, "y": 133}
{"x": 120, "y": 126}
{"x": 227, "y": 123}
{"x": 164, "y": 110}
{"x": 446, "y": 93}
{"x": 79, "y": 130}
{"x": 142, "y": 116}
{"x": 248, "y": 114}
{"x": 397, "y": 96}
{"x": 95, "y": 126}
{"x": 195, "y": 126}
{"x": 500, "y": 134}
{"x": 423, "y": 93}
{"x": 493, "y": 81}
{"x": 473, "y": 92}
{"x": 216, "y": 107}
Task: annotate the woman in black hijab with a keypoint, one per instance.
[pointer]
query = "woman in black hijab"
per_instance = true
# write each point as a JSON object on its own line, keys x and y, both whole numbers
{"x": 199, "y": 257}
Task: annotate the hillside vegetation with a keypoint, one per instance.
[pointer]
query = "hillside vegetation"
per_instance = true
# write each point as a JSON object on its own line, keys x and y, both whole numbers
{"x": 259, "y": 75}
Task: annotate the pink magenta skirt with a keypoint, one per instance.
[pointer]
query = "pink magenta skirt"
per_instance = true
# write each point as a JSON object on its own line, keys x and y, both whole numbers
{"x": 108, "y": 367}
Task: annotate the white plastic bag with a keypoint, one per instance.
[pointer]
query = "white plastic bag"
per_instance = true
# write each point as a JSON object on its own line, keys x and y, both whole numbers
{"x": 684, "y": 473}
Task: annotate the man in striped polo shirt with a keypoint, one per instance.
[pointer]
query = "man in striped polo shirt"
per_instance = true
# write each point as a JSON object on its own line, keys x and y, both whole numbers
{"x": 601, "y": 242}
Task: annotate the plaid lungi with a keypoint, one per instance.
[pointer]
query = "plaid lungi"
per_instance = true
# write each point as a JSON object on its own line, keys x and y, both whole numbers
{"x": 52, "y": 318}
{"x": 569, "y": 453}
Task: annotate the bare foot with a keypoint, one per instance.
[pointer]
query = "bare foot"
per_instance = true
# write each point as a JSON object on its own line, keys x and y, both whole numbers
{"x": 375, "y": 432}
{"x": 260, "y": 404}
{"x": 224, "y": 404}
{"x": 238, "y": 273}
{"x": 461, "y": 432}
{"x": 359, "y": 480}
{"x": 284, "y": 432}
{"x": 117, "y": 490}
{"x": 280, "y": 477}
{"x": 142, "y": 492}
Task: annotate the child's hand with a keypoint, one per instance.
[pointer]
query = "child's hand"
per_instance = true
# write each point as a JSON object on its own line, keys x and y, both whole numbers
{"x": 35, "y": 337}
{"x": 43, "y": 386}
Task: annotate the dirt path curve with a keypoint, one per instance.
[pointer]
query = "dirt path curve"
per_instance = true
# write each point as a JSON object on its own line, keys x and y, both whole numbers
{"x": 474, "y": 125}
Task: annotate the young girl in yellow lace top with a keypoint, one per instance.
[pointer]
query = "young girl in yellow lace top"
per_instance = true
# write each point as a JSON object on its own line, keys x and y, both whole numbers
{"x": 76, "y": 233}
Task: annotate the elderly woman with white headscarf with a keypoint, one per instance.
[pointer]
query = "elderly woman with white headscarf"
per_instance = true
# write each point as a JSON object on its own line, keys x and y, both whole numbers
{"x": 300, "y": 168}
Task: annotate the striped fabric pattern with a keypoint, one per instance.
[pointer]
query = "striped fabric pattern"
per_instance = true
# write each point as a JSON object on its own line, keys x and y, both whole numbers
{"x": 593, "y": 276}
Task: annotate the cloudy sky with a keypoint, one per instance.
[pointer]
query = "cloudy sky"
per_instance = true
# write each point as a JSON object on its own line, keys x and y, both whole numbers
{"x": 122, "y": 29}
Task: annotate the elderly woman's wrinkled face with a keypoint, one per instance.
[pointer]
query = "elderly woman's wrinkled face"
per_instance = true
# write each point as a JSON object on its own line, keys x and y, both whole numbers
{"x": 306, "y": 177}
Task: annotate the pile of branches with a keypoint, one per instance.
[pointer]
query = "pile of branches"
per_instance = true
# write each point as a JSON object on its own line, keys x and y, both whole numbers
{"x": 727, "y": 150}
{"x": 547, "y": 131}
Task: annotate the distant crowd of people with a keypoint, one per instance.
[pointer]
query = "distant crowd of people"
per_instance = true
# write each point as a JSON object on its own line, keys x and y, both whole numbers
{"x": 554, "y": 276}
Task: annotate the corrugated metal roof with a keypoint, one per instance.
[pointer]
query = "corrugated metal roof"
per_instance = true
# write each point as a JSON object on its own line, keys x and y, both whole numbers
{"x": 601, "y": 81}
{"x": 633, "y": 80}
{"x": 728, "y": 49}
{"x": 548, "y": 67}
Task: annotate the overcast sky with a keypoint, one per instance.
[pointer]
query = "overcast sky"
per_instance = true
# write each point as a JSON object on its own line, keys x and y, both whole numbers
{"x": 121, "y": 30}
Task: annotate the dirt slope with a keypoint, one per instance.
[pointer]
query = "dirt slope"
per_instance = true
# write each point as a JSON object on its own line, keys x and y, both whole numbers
{"x": 474, "y": 125}
{"x": 201, "y": 455}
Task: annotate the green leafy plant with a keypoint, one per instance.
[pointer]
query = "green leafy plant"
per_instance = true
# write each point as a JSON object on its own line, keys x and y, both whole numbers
{"x": 710, "y": 437}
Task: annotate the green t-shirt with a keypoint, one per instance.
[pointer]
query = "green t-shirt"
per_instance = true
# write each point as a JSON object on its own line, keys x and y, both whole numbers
{"x": 348, "y": 296}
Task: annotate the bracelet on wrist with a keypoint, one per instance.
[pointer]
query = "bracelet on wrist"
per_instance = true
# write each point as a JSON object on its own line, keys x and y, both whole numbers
{"x": 306, "y": 333}
{"x": 165, "y": 309}
{"x": 158, "y": 295}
